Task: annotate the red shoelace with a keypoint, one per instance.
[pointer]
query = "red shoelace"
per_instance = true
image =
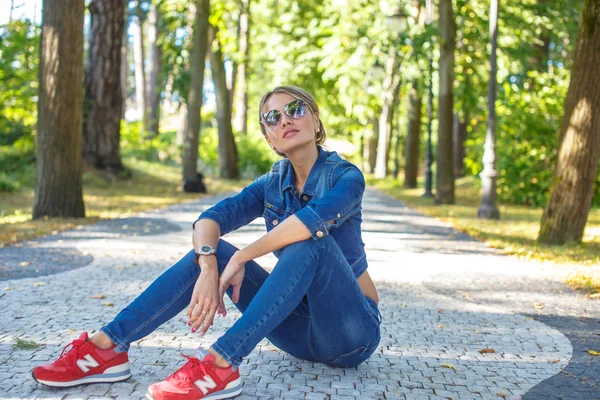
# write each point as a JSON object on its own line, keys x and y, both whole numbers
{"x": 190, "y": 369}
{"x": 74, "y": 345}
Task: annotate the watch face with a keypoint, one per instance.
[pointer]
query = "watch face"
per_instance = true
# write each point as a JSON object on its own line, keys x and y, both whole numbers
{"x": 205, "y": 249}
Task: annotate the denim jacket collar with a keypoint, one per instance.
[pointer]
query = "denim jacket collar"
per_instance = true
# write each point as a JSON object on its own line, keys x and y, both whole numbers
{"x": 289, "y": 179}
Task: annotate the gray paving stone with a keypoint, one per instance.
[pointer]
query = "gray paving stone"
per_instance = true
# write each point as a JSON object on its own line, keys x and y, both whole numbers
{"x": 424, "y": 328}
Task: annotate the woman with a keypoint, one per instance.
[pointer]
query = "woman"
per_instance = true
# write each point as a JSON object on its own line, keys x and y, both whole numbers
{"x": 318, "y": 303}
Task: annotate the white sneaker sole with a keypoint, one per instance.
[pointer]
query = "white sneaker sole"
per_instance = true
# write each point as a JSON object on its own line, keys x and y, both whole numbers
{"x": 117, "y": 373}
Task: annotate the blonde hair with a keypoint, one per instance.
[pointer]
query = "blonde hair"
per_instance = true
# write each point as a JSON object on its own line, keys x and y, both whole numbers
{"x": 299, "y": 94}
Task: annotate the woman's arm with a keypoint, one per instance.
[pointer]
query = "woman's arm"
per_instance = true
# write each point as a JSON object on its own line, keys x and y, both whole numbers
{"x": 289, "y": 231}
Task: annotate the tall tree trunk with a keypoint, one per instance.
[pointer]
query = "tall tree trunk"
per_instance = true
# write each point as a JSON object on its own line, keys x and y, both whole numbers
{"x": 241, "y": 107}
{"x": 124, "y": 64}
{"x": 154, "y": 88}
{"x": 391, "y": 81}
{"x": 103, "y": 96}
{"x": 194, "y": 99}
{"x": 140, "y": 71}
{"x": 58, "y": 188}
{"x": 371, "y": 147}
{"x": 459, "y": 136}
{"x": 572, "y": 188}
{"x": 445, "y": 169}
{"x": 12, "y": 6}
{"x": 411, "y": 169}
{"x": 394, "y": 129}
{"x": 228, "y": 164}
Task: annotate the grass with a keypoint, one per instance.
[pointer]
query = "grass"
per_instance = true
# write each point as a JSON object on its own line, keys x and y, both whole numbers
{"x": 515, "y": 233}
{"x": 152, "y": 185}
{"x": 25, "y": 344}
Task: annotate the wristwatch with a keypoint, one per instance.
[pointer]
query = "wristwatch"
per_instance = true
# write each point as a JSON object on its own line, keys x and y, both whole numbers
{"x": 205, "y": 250}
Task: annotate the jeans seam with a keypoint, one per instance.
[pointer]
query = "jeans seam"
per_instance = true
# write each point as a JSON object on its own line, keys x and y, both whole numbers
{"x": 120, "y": 344}
{"x": 175, "y": 298}
{"x": 224, "y": 354}
{"x": 274, "y": 308}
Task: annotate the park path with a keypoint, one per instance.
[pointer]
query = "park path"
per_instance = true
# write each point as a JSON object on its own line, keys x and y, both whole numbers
{"x": 443, "y": 297}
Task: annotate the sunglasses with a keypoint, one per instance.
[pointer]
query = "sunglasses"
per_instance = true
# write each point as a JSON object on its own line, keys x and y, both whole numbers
{"x": 294, "y": 109}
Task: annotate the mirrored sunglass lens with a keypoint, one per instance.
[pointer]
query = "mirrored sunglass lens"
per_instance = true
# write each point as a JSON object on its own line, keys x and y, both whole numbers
{"x": 295, "y": 109}
{"x": 272, "y": 117}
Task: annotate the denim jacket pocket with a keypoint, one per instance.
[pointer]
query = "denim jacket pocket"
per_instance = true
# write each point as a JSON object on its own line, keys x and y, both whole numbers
{"x": 273, "y": 218}
{"x": 355, "y": 357}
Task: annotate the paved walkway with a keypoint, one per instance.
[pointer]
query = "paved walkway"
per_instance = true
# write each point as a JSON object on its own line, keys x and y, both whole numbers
{"x": 443, "y": 298}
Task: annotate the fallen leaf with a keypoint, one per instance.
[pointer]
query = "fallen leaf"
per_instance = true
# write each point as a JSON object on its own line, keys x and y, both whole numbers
{"x": 97, "y": 296}
{"x": 489, "y": 350}
{"x": 500, "y": 394}
{"x": 594, "y": 353}
{"x": 24, "y": 264}
{"x": 39, "y": 284}
{"x": 447, "y": 365}
{"x": 594, "y": 296}
{"x": 554, "y": 361}
{"x": 120, "y": 267}
{"x": 108, "y": 304}
{"x": 441, "y": 326}
{"x": 538, "y": 305}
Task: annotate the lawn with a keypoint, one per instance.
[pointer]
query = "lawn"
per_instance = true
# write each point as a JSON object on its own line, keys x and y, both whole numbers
{"x": 152, "y": 185}
{"x": 515, "y": 233}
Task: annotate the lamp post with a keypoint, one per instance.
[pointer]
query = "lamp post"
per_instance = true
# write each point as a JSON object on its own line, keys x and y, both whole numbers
{"x": 429, "y": 153}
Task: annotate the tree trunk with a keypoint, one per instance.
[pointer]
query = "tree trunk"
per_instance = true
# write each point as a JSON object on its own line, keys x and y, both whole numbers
{"x": 394, "y": 131}
{"x": 372, "y": 146}
{"x": 194, "y": 100}
{"x": 459, "y": 136}
{"x": 391, "y": 81}
{"x": 572, "y": 187}
{"x": 140, "y": 71}
{"x": 228, "y": 164}
{"x": 58, "y": 188}
{"x": 154, "y": 88}
{"x": 445, "y": 169}
{"x": 241, "y": 107}
{"x": 103, "y": 96}
{"x": 124, "y": 65}
{"x": 411, "y": 169}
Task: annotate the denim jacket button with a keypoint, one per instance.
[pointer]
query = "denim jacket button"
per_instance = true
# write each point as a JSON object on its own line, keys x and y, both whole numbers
{"x": 339, "y": 215}
{"x": 305, "y": 198}
{"x": 275, "y": 222}
{"x": 319, "y": 234}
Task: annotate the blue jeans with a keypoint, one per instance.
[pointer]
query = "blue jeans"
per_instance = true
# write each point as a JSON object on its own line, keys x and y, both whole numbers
{"x": 310, "y": 306}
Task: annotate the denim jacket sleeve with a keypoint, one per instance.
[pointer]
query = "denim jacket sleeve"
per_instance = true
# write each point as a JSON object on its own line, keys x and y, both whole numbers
{"x": 234, "y": 212}
{"x": 341, "y": 202}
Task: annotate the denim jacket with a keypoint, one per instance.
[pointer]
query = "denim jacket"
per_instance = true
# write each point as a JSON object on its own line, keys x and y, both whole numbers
{"x": 330, "y": 204}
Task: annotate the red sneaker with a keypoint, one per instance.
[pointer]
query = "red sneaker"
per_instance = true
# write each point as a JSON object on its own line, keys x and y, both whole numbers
{"x": 84, "y": 363}
{"x": 198, "y": 379}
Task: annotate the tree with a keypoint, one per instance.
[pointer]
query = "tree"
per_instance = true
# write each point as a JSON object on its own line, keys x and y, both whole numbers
{"x": 572, "y": 187}
{"x": 58, "y": 189}
{"x": 194, "y": 98}
{"x": 445, "y": 169}
{"x": 141, "y": 93}
{"x": 154, "y": 90}
{"x": 241, "y": 107}
{"x": 488, "y": 208}
{"x": 411, "y": 169}
{"x": 390, "y": 87}
{"x": 228, "y": 164}
{"x": 103, "y": 95}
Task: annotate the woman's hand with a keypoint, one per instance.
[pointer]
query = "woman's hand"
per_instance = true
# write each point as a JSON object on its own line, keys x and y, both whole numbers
{"x": 205, "y": 298}
{"x": 233, "y": 275}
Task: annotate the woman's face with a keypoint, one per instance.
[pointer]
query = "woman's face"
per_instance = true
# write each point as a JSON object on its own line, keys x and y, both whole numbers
{"x": 290, "y": 133}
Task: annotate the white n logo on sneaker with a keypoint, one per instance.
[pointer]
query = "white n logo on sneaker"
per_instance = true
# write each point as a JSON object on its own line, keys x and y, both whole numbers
{"x": 86, "y": 364}
{"x": 206, "y": 384}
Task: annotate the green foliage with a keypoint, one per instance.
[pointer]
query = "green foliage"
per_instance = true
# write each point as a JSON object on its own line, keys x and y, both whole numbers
{"x": 25, "y": 344}
{"x": 160, "y": 148}
{"x": 19, "y": 41}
